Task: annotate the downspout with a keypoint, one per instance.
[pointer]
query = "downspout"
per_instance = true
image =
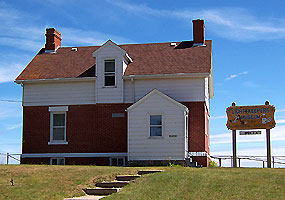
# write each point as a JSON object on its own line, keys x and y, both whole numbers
{"x": 133, "y": 89}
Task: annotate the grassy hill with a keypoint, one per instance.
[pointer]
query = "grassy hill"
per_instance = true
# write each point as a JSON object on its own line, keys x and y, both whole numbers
{"x": 57, "y": 182}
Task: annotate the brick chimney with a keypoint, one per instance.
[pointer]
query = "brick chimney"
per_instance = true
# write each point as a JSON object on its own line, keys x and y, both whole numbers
{"x": 198, "y": 32}
{"x": 53, "y": 39}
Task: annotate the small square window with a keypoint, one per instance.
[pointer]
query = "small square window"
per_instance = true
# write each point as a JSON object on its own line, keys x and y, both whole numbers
{"x": 117, "y": 162}
{"x": 155, "y": 120}
{"x": 110, "y": 80}
{"x": 57, "y": 161}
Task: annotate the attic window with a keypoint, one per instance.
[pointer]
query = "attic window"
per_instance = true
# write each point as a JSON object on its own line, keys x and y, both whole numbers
{"x": 109, "y": 72}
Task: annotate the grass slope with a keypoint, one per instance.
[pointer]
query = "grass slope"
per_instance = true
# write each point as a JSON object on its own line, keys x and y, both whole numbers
{"x": 52, "y": 182}
{"x": 57, "y": 182}
{"x": 207, "y": 183}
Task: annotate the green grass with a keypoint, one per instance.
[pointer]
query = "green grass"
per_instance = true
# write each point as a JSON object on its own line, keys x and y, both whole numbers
{"x": 57, "y": 182}
{"x": 207, "y": 183}
{"x": 53, "y": 182}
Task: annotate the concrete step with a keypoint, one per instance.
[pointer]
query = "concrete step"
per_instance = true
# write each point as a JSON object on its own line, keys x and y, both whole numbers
{"x": 100, "y": 191}
{"x": 126, "y": 177}
{"x": 87, "y": 197}
{"x": 112, "y": 184}
{"x": 142, "y": 172}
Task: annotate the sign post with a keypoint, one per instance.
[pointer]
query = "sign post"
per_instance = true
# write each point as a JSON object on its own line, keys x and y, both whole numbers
{"x": 234, "y": 136}
{"x": 251, "y": 117}
{"x": 268, "y": 144}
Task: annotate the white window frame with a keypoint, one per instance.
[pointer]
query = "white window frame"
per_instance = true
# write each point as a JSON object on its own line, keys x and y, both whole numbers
{"x": 57, "y": 110}
{"x": 162, "y": 125}
{"x": 104, "y": 75}
{"x": 124, "y": 161}
{"x": 57, "y": 160}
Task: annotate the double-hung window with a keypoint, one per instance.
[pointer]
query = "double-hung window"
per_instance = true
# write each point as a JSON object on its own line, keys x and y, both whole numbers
{"x": 109, "y": 72}
{"x": 58, "y": 125}
{"x": 155, "y": 125}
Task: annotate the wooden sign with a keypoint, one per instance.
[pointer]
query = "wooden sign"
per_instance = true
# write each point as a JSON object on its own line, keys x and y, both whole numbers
{"x": 250, "y": 117}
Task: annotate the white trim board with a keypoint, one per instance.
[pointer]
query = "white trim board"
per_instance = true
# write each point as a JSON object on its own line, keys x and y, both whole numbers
{"x": 111, "y": 43}
{"x": 177, "y": 75}
{"x": 72, "y": 155}
{"x": 58, "y": 109}
{"x": 156, "y": 91}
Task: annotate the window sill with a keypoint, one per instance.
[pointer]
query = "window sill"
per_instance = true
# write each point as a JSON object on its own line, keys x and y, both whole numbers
{"x": 155, "y": 137}
{"x": 57, "y": 143}
{"x": 110, "y": 86}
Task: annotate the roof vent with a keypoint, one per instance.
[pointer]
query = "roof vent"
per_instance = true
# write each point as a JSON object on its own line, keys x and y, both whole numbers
{"x": 73, "y": 49}
{"x": 173, "y": 44}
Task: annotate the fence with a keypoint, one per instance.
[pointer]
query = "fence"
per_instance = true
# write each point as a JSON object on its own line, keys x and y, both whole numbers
{"x": 223, "y": 160}
{"x": 277, "y": 161}
{"x": 7, "y": 158}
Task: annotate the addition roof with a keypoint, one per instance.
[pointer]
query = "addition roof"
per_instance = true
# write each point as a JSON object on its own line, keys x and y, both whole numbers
{"x": 148, "y": 59}
{"x": 156, "y": 91}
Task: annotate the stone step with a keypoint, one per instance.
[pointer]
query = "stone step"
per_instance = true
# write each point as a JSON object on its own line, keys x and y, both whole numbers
{"x": 142, "y": 172}
{"x": 126, "y": 177}
{"x": 112, "y": 184}
{"x": 100, "y": 191}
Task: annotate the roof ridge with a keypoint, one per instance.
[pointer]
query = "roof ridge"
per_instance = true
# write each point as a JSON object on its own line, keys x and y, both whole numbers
{"x": 131, "y": 44}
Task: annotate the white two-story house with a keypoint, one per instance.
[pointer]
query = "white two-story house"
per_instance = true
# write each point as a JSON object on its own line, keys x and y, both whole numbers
{"x": 116, "y": 104}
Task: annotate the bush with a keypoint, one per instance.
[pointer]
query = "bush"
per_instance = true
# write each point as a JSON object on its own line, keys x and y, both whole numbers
{"x": 213, "y": 163}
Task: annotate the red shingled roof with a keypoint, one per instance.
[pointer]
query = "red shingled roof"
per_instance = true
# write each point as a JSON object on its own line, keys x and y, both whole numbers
{"x": 153, "y": 58}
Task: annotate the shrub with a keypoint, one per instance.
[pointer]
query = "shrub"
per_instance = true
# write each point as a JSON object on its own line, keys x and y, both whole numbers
{"x": 213, "y": 163}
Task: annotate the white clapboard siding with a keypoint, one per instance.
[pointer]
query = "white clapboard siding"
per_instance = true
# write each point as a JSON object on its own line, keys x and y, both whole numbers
{"x": 109, "y": 94}
{"x": 64, "y": 93}
{"x": 180, "y": 89}
{"x": 140, "y": 145}
{"x": 207, "y": 97}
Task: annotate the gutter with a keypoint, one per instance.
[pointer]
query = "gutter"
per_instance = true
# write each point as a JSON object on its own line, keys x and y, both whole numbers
{"x": 79, "y": 79}
{"x": 186, "y": 75}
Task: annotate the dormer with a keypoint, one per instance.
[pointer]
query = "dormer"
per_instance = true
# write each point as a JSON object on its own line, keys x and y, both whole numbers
{"x": 111, "y": 62}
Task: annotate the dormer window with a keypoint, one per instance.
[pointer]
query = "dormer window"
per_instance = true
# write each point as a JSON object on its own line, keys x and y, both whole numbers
{"x": 109, "y": 72}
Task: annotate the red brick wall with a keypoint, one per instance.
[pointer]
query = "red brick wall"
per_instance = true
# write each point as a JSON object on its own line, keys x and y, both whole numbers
{"x": 198, "y": 127}
{"x": 89, "y": 129}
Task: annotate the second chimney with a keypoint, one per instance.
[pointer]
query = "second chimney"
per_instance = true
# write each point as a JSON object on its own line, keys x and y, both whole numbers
{"x": 53, "y": 39}
{"x": 198, "y": 32}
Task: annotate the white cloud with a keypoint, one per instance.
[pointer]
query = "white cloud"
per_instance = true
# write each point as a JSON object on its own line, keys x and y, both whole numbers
{"x": 235, "y": 75}
{"x": 280, "y": 110}
{"x": 10, "y": 110}
{"x": 73, "y": 36}
{"x": 10, "y": 72}
{"x": 219, "y": 117}
{"x": 231, "y": 23}
{"x": 13, "y": 126}
{"x": 277, "y": 134}
{"x": 280, "y": 121}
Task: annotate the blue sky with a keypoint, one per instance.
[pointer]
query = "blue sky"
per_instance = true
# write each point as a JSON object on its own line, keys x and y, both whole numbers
{"x": 248, "y": 52}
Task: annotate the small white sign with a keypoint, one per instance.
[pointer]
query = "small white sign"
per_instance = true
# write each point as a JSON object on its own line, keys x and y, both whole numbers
{"x": 250, "y": 132}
